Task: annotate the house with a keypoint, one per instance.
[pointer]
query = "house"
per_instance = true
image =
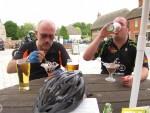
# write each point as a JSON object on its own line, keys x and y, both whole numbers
{"x": 74, "y": 33}
{"x": 2, "y": 31}
{"x": 134, "y": 20}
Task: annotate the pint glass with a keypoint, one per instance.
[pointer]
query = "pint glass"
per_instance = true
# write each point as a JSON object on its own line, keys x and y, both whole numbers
{"x": 72, "y": 65}
{"x": 23, "y": 69}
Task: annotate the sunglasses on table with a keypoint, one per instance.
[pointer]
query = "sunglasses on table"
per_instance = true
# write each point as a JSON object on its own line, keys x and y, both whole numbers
{"x": 45, "y": 35}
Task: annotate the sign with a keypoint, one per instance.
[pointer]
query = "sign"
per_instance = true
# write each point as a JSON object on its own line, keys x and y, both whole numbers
{"x": 145, "y": 109}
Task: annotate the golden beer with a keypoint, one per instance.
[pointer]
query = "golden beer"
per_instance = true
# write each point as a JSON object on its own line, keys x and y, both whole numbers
{"x": 23, "y": 70}
{"x": 72, "y": 67}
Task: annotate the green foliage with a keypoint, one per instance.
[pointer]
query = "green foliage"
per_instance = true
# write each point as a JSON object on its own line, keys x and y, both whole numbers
{"x": 11, "y": 29}
{"x": 85, "y": 28}
{"x": 17, "y": 32}
{"x": 78, "y": 29}
{"x": 20, "y": 33}
{"x": 24, "y": 29}
{"x": 63, "y": 32}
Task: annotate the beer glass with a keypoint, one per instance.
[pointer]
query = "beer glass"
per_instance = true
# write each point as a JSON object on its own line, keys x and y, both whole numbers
{"x": 73, "y": 64}
{"x": 111, "y": 68}
{"x": 23, "y": 70}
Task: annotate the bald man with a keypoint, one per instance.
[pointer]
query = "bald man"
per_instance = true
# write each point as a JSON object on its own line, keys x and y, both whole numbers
{"x": 44, "y": 47}
{"x": 118, "y": 48}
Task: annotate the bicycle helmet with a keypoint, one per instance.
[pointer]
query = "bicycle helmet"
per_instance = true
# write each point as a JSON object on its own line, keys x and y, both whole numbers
{"x": 30, "y": 36}
{"x": 31, "y": 33}
{"x": 60, "y": 94}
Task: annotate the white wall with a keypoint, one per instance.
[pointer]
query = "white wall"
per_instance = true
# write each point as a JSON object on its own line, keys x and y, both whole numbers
{"x": 2, "y": 31}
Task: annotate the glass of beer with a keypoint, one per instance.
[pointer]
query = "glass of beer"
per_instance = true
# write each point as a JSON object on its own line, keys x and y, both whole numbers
{"x": 72, "y": 65}
{"x": 23, "y": 70}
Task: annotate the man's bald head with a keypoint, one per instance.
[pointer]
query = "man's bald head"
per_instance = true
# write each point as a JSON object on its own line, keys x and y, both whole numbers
{"x": 46, "y": 23}
{"x": 45, "y": 34}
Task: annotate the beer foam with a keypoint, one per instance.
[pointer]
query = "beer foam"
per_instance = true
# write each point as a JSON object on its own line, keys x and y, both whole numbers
{"x": 72, "y": 63}
{"x": 20, "y": 61}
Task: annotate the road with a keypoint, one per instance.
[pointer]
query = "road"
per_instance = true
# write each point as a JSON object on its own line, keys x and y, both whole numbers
{"x": 7, "y": 80}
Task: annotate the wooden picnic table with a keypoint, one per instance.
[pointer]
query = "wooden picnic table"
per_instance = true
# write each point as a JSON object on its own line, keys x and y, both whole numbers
{"x": 14, "y": 101}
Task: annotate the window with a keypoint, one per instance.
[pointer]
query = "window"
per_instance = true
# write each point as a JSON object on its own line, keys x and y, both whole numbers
{"x": 136, "y": 23}
{"x": 148, "y": 36}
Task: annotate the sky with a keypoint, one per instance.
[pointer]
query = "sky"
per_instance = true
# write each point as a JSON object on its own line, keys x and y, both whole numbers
{"x": 62, "y": 12}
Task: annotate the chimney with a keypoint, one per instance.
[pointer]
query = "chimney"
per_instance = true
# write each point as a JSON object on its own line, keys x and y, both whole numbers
{"x": 140, "y": 3}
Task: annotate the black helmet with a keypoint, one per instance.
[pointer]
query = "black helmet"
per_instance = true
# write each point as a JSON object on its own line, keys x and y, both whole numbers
{"x": 61, "y": 94}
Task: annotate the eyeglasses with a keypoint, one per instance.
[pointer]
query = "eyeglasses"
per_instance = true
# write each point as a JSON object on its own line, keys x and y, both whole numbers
{"x": 45, "y": 35}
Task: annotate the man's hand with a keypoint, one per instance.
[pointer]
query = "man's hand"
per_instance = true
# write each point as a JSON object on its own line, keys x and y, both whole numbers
{"x": 103, "y": 32}
{"x": 36, "y": 56}
{"x": 127, "y": 80}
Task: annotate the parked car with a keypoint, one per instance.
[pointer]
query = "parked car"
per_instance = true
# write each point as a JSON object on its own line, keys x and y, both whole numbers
{"x": 1, "y": 44}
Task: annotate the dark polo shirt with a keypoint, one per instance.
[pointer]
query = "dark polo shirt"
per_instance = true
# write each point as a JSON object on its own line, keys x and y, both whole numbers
{"x": 56, "y": 53}
{"x": 125, "y": 56}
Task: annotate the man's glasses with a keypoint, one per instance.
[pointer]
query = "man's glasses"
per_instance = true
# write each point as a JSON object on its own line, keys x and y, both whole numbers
{"x": 45, "y": 35}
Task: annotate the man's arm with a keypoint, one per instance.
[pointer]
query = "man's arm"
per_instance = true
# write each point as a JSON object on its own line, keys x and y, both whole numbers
{"x": 144, "y": 74}
{"x": 92, "y": 48}
{"x": 11, "y": 67}
{"x": 128, "y": 79}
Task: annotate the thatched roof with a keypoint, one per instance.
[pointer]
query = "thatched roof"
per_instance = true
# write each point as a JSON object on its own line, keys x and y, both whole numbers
{"x": 102, "y": 20}
{"x": 135, "y": 13}
{"x": 72, "y": 30}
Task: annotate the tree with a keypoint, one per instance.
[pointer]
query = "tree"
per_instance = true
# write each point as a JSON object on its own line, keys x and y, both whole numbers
{"x": 89, "y": 29}
{"x": 24, "y": 29}
{"x": 85, "y": 28}
{"x": 63, "y": 32}
{"x": 11, "y": 29}
{"x": 20, "y": 33}
{"x": 27, "y": 27}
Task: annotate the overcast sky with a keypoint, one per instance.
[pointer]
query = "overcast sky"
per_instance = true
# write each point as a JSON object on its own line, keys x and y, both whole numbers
{"x": 62, "y": 12}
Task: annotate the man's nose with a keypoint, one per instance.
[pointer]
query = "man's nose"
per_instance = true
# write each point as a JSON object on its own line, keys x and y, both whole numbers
{"x": 48, "y": 39}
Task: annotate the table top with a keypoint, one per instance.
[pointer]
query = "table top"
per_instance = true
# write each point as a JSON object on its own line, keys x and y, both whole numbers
{"x": 22, "y": 102}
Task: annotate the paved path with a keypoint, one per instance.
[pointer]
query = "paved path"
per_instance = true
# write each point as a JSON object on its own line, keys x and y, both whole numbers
{"x": 6, "y": 80}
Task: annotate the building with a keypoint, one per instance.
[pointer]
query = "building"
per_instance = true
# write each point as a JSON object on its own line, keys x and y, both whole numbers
{"x": 134, "y": 21}
{"x": 74, "y": 33}
{"x": 133, "y": 17}
{"x": 2, "y": 31}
